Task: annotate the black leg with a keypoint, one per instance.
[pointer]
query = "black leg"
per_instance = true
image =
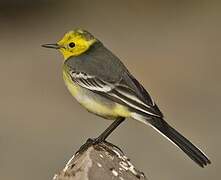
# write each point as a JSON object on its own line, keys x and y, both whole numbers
{"x": 110, "y": 129}
{"x": 103, "y": 135}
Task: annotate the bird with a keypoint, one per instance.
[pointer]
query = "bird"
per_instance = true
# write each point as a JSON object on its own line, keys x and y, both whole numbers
{"x": 102, "y": 84}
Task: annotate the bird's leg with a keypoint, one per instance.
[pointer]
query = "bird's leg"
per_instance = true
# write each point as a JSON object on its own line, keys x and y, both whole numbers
{"x": 103, "y": 136}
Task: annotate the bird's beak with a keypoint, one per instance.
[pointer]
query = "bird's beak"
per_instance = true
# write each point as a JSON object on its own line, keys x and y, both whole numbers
{"x": 53, "y": 46}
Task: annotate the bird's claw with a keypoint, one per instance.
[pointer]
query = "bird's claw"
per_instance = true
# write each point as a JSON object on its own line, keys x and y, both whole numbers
{"x": 89, "y": 142}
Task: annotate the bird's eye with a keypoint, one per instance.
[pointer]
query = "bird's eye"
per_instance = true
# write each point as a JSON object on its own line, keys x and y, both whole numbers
{"x": 71, "y": 45}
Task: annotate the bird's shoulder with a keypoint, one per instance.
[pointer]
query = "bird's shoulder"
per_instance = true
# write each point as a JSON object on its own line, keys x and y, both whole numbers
{"x": 98, "y": 61}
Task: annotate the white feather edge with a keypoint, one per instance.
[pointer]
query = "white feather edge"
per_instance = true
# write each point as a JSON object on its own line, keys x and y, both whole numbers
{"x": 132, "y": 105}
{"x": 133, "y": 98}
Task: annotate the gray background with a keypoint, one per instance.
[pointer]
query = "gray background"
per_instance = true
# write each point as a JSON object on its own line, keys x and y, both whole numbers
{"x": 172, "y": 47}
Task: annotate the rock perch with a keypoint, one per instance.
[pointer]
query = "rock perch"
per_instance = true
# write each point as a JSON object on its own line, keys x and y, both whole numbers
{"x": 102, "y": 161}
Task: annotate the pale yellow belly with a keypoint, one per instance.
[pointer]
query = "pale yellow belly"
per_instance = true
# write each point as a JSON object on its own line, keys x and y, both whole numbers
{"x": 95, "y": 103}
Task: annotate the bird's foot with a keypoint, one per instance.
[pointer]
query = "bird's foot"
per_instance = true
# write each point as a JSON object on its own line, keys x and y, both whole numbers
{"x": 90, "y": 142}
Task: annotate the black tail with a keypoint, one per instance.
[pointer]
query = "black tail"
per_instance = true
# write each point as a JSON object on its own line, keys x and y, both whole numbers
{"x": 192, "y": 151}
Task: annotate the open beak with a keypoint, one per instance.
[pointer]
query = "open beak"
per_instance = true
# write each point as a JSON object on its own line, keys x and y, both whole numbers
{"x": 53, "y": 46}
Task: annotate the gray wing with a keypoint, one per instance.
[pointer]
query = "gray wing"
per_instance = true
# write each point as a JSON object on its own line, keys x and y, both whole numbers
{"x": 127, "y": 91}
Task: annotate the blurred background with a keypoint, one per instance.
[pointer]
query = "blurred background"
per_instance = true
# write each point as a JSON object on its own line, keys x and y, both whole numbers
{"x": 172, "y": 47}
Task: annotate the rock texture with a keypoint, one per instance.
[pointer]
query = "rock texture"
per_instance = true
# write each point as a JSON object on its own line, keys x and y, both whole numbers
{"x": 102, "y": 161}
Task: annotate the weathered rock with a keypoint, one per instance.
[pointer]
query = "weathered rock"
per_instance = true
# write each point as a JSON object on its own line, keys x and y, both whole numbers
{"x": 102, "y": 161}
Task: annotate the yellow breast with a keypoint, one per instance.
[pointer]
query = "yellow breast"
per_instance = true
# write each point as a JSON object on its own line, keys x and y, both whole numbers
{"x": 92, "y": 104}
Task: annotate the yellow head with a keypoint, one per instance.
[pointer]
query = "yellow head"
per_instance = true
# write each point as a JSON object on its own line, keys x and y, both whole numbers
{"x": 74, "y": 43}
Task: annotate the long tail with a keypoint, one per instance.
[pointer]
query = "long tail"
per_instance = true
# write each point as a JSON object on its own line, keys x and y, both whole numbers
{"x": 166, "y": 130}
